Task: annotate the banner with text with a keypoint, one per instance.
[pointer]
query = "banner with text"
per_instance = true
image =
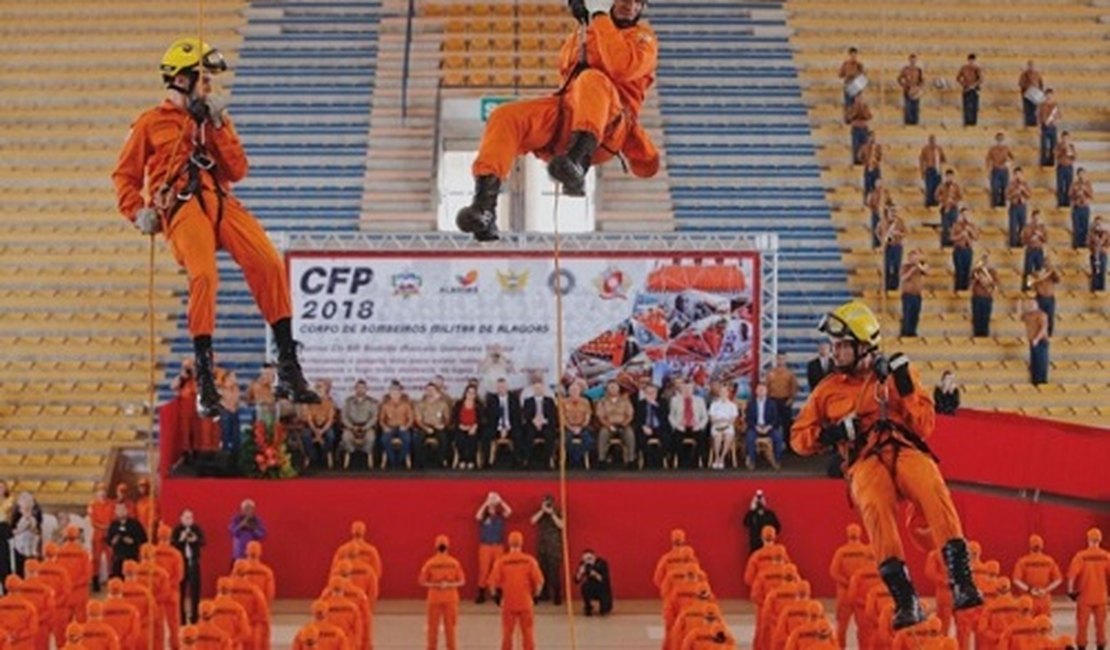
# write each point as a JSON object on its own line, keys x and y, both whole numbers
{"x": 626, "y": 316}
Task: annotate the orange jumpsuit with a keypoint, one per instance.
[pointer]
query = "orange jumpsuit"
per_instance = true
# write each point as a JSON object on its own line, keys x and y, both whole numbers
{"x": 211, "y": 637}
{"x": 257, "y": 572}
{"x": 816, "y": 635}
{"x": 123, "y": 617}
{"x": 847, "y": 559}
{"x": 101, "y": 512}
{"x": 169, "y": 558}
{"x": 157, "y": 579}
{"x": 362, "y": 574}
{"x": 858, "y": 587}
{"x": 343, "y": 612}
{"x": 1088, "y": 572}
{"x": 160, "y": 143}
{"x": 356, "y": 595}
{"x": 675, "y": 554}
{"x": 332, "y": 637}
{"x": 254, "y": 604}
{"x": 685, "y": 592}
{"x": 771, "y": 553}
{"x": 776, "y": 600}
{"x": 366, "y": 551}
{"x": 696, "y": 614}
{"x": 73, "y": 557}
{"x": 997, "y": 615}
{"x": 678, "y": 564}
{"x": 146, "y": 510}
{"x": 1037, "y": 570}
{"x": 983, "y": 574}
{"x": 230, "y": 616}
{"x": 937, "y": 573}
{"x": 20, "y": 620}
{"x": 603, "y": 100}
{"x": 1025, "y": 633}
{"x": 518, "y": 577}
{"x": 771, "y": 576}
{"x": 136, "y": 592}
{"x": 888, "y": 467}
{"x": 706, "y": 638}
{"x": 57, "y": 578}
{"x": 99, "y": 635}
{"x": 442, "y": 602}
{"x": 307, "y": 638}
{"x": 877, "y": 596}
{"x": 916, "y": 636}
{"x": 41, "y": 597}
{"x": 793, "y": 616}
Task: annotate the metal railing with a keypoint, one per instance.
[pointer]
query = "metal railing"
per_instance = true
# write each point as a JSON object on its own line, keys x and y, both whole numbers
{"x": 407, "y": 61}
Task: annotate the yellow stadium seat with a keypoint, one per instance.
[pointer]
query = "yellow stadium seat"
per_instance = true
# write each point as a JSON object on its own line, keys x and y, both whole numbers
{"x": 479, "y": 79}
{"x": 479, "y": 9}
{"x": 529, "y": 43}
{"x": 454, "y": 79}
{"x": 456, "y": 26}
{"x": 531, "y": 79}
{"x": 530, "y": 9}
{"x": 61, "y": 459}
{"x": 501, "y": 10}
{"x": 503, "y": 78}
{"x": 454, "y": 62}
{"x": 502, "y": 27}
{"x": 554, "y": 9}
{"x": 53, "y": 486}
{"x": 433, "y": 10}
{"x": 458, "y": 9}
{"x": 454, "y": 44}
{"x": 502, "y": 44}
{"x": 502, "y": 62}
{"x": 530, "y": 26}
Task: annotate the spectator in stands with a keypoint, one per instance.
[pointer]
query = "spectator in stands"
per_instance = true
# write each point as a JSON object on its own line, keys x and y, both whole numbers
{"x": 188, "y": 539}
{"x": 984, "y": 284}
{"x": 125, "y": 537}
{"x": 652, "y": 428}
{"x": 1036, "y": 331}
{"x": 912, "y": 81}
{"x": 597, "y": 589}
{"x": 946, "y": 395}
{"x": 1081, "y": 194}
{"x": 763, "y": 421}
{"x": 539, "y": 427}
{"x": 723, "y": 413}
{"x": 1029, "y": 78}
{"x": 26, "y": 532}
{"x": 1098, "y": 242}
{"x": 1048, "y": 117}
{"x": 396, "y": 418}
{"x": 430, "y": 445}
{"x": 949, "y": 196}
{"x": 491, "y": 518}
{"x": 891, "y": 232}
{"x": 7, "y": 511}
{"x": 614, "y": 421}
{"x": 577, "y": 415}
{"x": 877, "y": 201}
{"x": 502, "y": 423}
{"x": 1044, "y": 288}
{"x": 1018, "y": 194}
{"x": 495, "y": 368}
{"x": 689, "y": 417}
{"x": 964, "y": 236}
{"x": 246, "y": 527}
{"x": 782, "y": 388}
{"x": 820, "y": 366}
{"x": 872, "y": 159}
{"x": 970, "y": 78}
{"x": 549, "y": 549}
{"x": 319, "y": 432}
{"x": 468, "y": 417}
{"x": 758, "y": 516}
{"x": 999, "y": 159}
{"x": 1034, "y": 236}
{"x": 360, "y": 416}
{"x": 1065, "y": 161}
{"x": 913, "y": 281}
{"x": 261, "y": 390}
{"x": 858, "y": 116}
{"x": 850, "y": 69}
{"x": 230, "y": 395}
{"x": 929, "y": 162}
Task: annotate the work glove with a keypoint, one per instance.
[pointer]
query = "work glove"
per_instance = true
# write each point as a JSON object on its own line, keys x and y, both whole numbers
{"x": 579, "y": 11}
{"x": 881, "y": 366}
{"x": 598, "y": 6}
{"x": 212, "y": 109}
{"x": 845, "y": 430}
{"x": 900, "y": 367}
{"x": 147, "y": 221}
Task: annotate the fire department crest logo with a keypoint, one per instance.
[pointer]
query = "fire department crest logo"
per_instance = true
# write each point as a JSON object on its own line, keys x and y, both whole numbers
{"x": 407, "y": 284}
{"x": 512, "y": 282}
{"x": 612, "y": 284}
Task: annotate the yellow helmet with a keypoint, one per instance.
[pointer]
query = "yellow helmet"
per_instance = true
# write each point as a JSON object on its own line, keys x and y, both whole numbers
{"x": 852, "y": 320}
{"x": 184, "y": 54}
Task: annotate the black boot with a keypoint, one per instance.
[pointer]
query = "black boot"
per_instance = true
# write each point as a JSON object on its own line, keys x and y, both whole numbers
{"x": 291, "y": 383}
{"x": 480, "y": 217}
{"x": 208, "y": 398}
{"x": 481, "y": 596}
{"x": 907, "y": 608}
{"x": 965, "y": 594}
{"x": 570, "y": 170}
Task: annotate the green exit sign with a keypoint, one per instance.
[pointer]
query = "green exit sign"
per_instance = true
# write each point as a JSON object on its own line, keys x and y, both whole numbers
{"x": 489, "y": 103}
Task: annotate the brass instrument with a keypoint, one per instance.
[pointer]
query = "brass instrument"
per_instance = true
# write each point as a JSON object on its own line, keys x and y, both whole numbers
{"x": 1040, "y": 276}
{"x": 982, "y": 275}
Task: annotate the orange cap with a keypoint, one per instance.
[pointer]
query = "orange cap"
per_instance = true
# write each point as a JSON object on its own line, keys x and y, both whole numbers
{"x": 1003, "y": 585}
{"x": 129, "y": 567}
{"x": 74, "y": 632}
{"x": 358, "y": 528}
{"x": 12, "y": 581}
{"x": 254, "y": 549}
{"x": 164, "y": 532}
{"x": 790, "y": 572}
{"x": 32, "y": 565}
{"x": 94, "y": 609}
{"x": 974, "y": 547}
{"x": 1094, "y": 535}
{"x": 147, "y": 551}
{"x": 1043, "y": 623}
{"x": 516, "y": 538}
{"x": 815, "y": 608}
{"x": 319, "y": 608}
{"x": 50, "y": 549}
{"x": 1036, "y": 542}
{"x": 767, "y": 533}
{"x": 223, "y": 584}
{"x": 993, "y": 567}
{"x": 239, "y": 567}
{"x": 1025, "y": 604}
{"x": 854, "y": 532}
{"x": 678, "y": 536}
{"x": 71, "y": 532}
{"x": 309, "y": 634}
{"x": 115, "y": 586}
{"x": 207, "y": 608}
{"x": 442, "y": 540}
{"x": 190, "y": 634}
{"x": 344, "y": 567}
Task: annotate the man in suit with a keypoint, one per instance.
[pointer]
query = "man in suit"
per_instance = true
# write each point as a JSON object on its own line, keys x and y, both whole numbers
{"x": 502, "y": 423}
{"x": 763, "y": 420}
{"x": 820, "y": 366}
{"x": 653, "y": 431}
{"x": 539, "y": 421}
{"x": 689, "y": 417}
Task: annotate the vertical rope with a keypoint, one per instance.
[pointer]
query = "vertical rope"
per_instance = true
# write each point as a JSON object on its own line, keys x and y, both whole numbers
{"x": 559, "y": 347}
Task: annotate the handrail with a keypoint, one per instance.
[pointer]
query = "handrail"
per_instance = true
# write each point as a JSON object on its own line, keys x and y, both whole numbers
{"x": 405, "y": 65}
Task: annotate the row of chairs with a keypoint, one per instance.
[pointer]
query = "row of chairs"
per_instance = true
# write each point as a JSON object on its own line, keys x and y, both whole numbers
{"x": 92, "y": 438}
{"x": 65, "y": 410}
{"x": 500, "y": 79}
{"x": 505, "y": 43}
{"x": 506, "y": 26}
{"x": 500, "y": 62}
{"x": 486, "y": 9}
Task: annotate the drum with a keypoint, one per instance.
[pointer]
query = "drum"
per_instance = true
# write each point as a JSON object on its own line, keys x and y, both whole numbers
{"x": 856, "y": 85}
{"x": 1035, "y": 95}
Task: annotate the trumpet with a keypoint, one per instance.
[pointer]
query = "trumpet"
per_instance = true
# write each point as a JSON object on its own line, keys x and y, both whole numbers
{"x": 922, "y": 267}
{"x": 1040, "y": 276}
{"x": 982, "y": 275}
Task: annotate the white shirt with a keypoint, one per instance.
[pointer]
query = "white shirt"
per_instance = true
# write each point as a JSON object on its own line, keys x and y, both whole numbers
{"x": 723, "y": 413}
{"x": 760, "y": 412}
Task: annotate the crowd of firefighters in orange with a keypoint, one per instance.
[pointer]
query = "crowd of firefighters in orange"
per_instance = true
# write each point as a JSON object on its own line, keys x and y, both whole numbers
{"x": 141, "y": 610}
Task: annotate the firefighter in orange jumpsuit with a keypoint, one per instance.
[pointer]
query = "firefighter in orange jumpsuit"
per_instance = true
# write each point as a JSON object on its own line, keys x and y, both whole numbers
{"x": 847, "y": 559}
{"x": 73, "y": 557}
{"x": 876, "y": 413}
{"x": 210, "y": 635}
{"x": 74, "y": 638}
{"x": 101, "y": 512}
{"x": 879, "y": 603}
{"x": 794, "y": 614}
{"x": 699, "y": 612}
{"x": 360, "y": 598}
{"x": 169, "y": 558}
{"x": 817, "y": 634}
{"x": 712, "y": 636}
{"x": 254, "y": 603}
{"x": 361, "y": 573}
{"x": 1037, "y": 575}
{"x": 774, "y": 602}
{"x": 41, "y": 597}
{"x": 332, "y": 637}
{"x": 157, "y": 579}
{"x": 770, "y": 576}
{"x": 230, "y": 615}
{"x": 307, "y": 638}
{"x": 982, "y": 573}
{"x": 184, "y": 154}
{"x": 680, "y": 563}
{"x": 343, "y": 612}
{"x": 124, "y": 617}
{"x": 938, "y": 575}
{"x": 136, "y": 592}
{"x": 50, "y": 573}
{"x": 1027, "y": 632}
{"x": 692, "y": 587}
{"x": 367, "y": 551}
{"x": 1088, "y": 575}
{"x": 99, "y": 635}
{"x": 678, "y": 542}
{"x": 146, "y": 508}
{"x": 922, "y": 635}
{"x": 442, "y": 575}
{"x": 770, "y": 553}
{"x": 258, "y": 572}
{"x": 593, "y": 117}
{"x": 19, "y": 620}
{"x": 997, "y": 615}
{"x": 516, "y": 580}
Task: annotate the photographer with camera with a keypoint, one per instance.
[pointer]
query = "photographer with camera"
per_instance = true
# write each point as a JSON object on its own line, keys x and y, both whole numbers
{"x": 549, "y": 550}
{"x": 593, "y": 578}
{"x": 758, "y": 516}
{"x": 877, "y": 415}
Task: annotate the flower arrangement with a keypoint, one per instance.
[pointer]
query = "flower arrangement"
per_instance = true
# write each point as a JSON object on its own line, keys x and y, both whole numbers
{"x": 263, "y": 453}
